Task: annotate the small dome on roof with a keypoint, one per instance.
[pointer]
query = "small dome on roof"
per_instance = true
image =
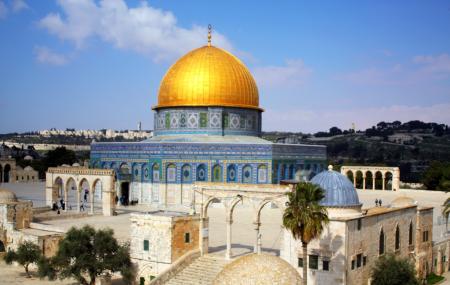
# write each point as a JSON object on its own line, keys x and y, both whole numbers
{"x": 76, "y": 164}
{"x": 339, "y": 191}
{"x": 28, "y": 157}
{"x": 258, "y": 269}
{"x": 7, "y": 196}
{"x": 28, "y": 168}
{"x": 403, "y": 201}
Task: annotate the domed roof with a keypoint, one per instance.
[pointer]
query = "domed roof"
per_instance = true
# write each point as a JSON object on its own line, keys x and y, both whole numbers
{"x": 28, "y": 168}
{"x": 208, "y": 76}
{"x": 7, "y": 196}
{"x": 258, "y": 269}
{"x": 403, "y": 201}
{"x": 339, "y": 191}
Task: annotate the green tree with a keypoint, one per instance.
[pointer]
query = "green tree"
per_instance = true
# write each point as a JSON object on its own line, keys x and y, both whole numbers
{"x": 389, "y": 270}
{"x": 27, "y": 253}
{"x": 304, "y": 217}
{"x": 85, "y": 254}
{"x": 59, "y": 156}
{"x": 437, "y": 176}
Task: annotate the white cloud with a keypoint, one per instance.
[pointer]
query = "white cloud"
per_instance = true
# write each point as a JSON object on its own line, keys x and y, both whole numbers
{"x": 420, "y": 69}
{"x": 143, "y": 29}
{"x": 434, "y": 64}
{"x": 318, "y": 120}
{"x": 47, "y": 56}
{"x": 18, "y": 5}
{"x": 293, "y": 74}
{"x": 3, "y": 10}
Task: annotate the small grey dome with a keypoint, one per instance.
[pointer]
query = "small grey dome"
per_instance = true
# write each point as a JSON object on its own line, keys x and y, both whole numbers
{"x": 7, "y": 196}
{"x": 339, "y": 191}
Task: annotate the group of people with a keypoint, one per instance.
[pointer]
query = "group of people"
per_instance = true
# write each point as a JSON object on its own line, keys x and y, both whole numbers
{"x": 378, "y": 202}
{"x": 62, "y": 204}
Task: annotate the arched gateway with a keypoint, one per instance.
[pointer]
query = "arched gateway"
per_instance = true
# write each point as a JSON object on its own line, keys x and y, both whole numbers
{"x": 88, "y": 186}
{"x": 230, "y": 195}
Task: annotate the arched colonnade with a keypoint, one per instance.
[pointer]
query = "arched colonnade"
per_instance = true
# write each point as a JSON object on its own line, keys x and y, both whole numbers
{"x": 372, "y": 177}
{"x": 257, "y": 196}
{"x": 61, "y": 180}
{"x": 7, "y": 170}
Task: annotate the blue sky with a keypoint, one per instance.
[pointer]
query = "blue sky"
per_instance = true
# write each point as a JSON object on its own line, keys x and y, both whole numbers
{"x": 97, "y": 64}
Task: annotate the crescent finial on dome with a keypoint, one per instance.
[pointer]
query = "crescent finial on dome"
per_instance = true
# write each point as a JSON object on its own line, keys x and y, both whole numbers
{"x": 209, "y": 34}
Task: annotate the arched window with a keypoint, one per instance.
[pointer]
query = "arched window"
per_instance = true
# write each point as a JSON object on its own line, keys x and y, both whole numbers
{"x": 397, "y": 238}
{"x": 155, "y": 173}
{"x": 201, "y": 173}
{"x": 262, "y": 174}
{"x": 410, "y": 236}
{"x": 231, "y": 173}
{"x": 186, "y": 175}
{"x": 217, "y": 173}
{"x": 171, "y": 173}
{"x": 381, "y": 243}
{"x": 145, "y": 172}
{"x": 247, "y": 174}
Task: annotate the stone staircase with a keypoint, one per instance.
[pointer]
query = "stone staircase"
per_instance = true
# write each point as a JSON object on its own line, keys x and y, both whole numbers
{"x": 200, "y": 272}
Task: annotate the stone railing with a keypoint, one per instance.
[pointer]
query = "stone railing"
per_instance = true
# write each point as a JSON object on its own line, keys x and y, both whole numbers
{"x": 176, "y": 267}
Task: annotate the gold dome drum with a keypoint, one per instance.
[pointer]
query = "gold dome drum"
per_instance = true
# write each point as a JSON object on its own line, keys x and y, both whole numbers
{"x": 208, "y": 76}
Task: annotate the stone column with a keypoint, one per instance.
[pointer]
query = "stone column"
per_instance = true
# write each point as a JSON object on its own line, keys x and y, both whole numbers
{"x": 78, "y": 200}
{"x": 91, "y": 194}
{"x": 204, "y": 235}
{"x": 364, "y": 182}
{"x": 373, "y": 182}
{"x": 65, "y": 200}
{"x": 256, "y": 248}
{"x": 384, "y": 180}
{"x": 438, "y": 268}
{"x": 354, "y": 180}
{"x": 228, "y": 251}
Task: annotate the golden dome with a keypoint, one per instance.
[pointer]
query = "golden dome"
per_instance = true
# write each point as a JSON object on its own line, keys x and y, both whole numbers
{"x": 208, "y": 76}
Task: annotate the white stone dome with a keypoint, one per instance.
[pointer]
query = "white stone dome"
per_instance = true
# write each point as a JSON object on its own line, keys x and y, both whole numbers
{"x": 6, "y": 196}
{"x": 258, "y": 269}
{"x": 28, "y": 168}
{"x": 403, "y": 201}
{"x": 28, "y": 157}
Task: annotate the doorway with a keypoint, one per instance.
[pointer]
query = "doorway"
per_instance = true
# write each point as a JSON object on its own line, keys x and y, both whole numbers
{"x": 124, "y": 193}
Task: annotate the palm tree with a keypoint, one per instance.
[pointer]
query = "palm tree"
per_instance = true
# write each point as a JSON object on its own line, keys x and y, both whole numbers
{"x": 446, "y": 212}
{"x": 305, "y": 217}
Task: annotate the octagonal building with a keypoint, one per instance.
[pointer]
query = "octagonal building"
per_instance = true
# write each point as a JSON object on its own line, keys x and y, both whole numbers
{"x": 207, "y": 127}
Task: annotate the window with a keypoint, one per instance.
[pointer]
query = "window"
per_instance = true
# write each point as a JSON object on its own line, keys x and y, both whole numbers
{"x": 201, "y": 172}
{"x": 381, "y": 243}
{"x": 364, "y": 260}
{"x": 358, "y": 260}
{"x": 247, "y": 174}
{"x": 410, "y": 237}
{"x": 397, "y": 238}
{"x": 231, "y": 173}
{"x": 300, "y": 262}
{"x": 425, "y": 236}
{"x": 203, "y": 120}
{"x": 313, "y": 262}
{"x": 146, "y": 245}
{"x": 171, "y": 173}
{"x": 326, "y": 265}
{"x": 353, "y": 264}
{"x": 187, "y": 237}
{"x": 217, "y": 173}
{"x": 359, "y": 224}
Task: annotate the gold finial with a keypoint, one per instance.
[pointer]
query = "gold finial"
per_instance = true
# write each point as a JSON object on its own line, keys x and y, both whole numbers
{"x": 209, "y": 34}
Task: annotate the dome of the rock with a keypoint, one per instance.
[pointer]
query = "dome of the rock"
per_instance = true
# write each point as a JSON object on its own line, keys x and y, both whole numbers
{"x": 205, "y": 77}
